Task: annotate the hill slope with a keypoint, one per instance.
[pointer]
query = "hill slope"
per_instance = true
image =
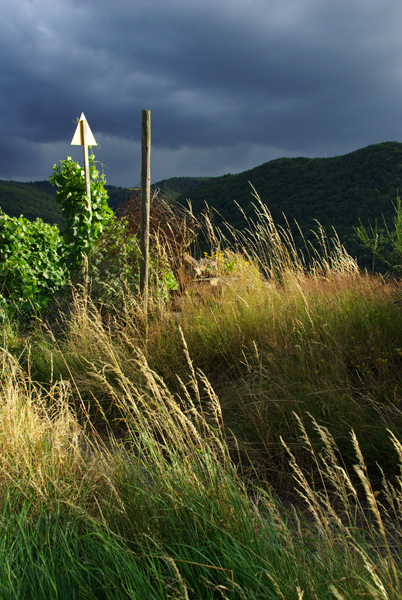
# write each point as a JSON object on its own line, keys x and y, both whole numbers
{"x": 31, "y": 200}
{"x": 37, "y": 198}
{"x": 177, "y": 186}
{"x": 337, "y": 191}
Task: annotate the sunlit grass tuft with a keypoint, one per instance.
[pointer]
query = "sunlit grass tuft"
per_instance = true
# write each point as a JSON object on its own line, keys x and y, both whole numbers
{"x": 248, "y": 446}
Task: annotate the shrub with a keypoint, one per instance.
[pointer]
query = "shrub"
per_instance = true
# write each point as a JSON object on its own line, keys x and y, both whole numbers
{"x": 385, "y": 243}
{"x": 31, "y": 268}
{"x": 85, "y": 220}
{"x": 114, "y": 267}
{"x": 173, "y": 228}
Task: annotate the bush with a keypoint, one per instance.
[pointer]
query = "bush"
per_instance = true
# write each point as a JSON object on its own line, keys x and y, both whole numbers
{"x": 385, "y": 243}
{"x": 85, "y": 220}
{"x": 173, "y": 228}
{"x": 114, "y": 267}
{"x": 35, "y": 259}
{"x": 31, "y": 269}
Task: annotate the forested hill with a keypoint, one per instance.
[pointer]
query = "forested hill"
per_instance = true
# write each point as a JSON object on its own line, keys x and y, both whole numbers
{"x": 337, "y": 191}
{"x": 38, "y": 198}
{"x": 180, "y": 186}
{"x": 31, "y": 200}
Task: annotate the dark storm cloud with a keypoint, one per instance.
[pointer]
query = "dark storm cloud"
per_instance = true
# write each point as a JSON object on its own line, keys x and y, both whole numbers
{"x": 227, "y": 82}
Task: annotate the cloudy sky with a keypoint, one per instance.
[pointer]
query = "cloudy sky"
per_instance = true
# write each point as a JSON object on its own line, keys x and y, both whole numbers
{"x": 231, "y": 84}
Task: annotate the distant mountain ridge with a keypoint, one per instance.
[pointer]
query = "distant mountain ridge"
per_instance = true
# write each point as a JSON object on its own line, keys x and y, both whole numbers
{"x": 179, "y": 186}
{"x": 336, "y": 191}
{"x": 37, "y": 198}
{"x": 32, "y": 200}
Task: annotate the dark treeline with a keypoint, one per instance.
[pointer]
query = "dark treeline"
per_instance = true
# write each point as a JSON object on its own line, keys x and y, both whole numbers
{"x": 32, "y": 200}
{"x": 38, "y": 199}
{"x": 178, "y": 186}
{"x": 338, "y": 192}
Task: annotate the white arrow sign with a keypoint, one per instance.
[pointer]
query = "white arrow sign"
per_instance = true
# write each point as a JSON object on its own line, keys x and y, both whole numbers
{"x": 78, "y": 137}
{"x": 83, "y": 136}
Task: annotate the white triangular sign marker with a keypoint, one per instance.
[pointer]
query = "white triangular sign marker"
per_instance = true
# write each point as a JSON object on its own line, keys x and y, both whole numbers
{"x": 77, "y": 137}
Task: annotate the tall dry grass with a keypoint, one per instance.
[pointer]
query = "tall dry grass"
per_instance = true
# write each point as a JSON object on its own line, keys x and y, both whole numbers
{"x": 154, "y": 505}
{"x": 229, "y": 452}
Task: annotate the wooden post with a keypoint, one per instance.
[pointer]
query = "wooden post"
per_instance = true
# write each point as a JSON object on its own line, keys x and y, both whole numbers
{"x": 145, "y": 206}
{"x": 84, "y": 134}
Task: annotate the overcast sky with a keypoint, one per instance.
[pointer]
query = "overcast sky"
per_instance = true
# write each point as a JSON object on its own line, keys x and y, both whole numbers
{"x": 231, "y": 84}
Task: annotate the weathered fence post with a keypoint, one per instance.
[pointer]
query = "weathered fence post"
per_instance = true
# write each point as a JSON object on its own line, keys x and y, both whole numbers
{"x": 83, "y": 136}
{"x": 145, "y": 206}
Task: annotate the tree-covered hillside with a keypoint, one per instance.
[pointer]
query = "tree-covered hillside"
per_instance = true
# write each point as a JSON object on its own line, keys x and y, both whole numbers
{"x": 31, "y": 200}
{"x": 38, "y": 198}
{"x": 337, "y": 191}
{"x": 178, "y": 186}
